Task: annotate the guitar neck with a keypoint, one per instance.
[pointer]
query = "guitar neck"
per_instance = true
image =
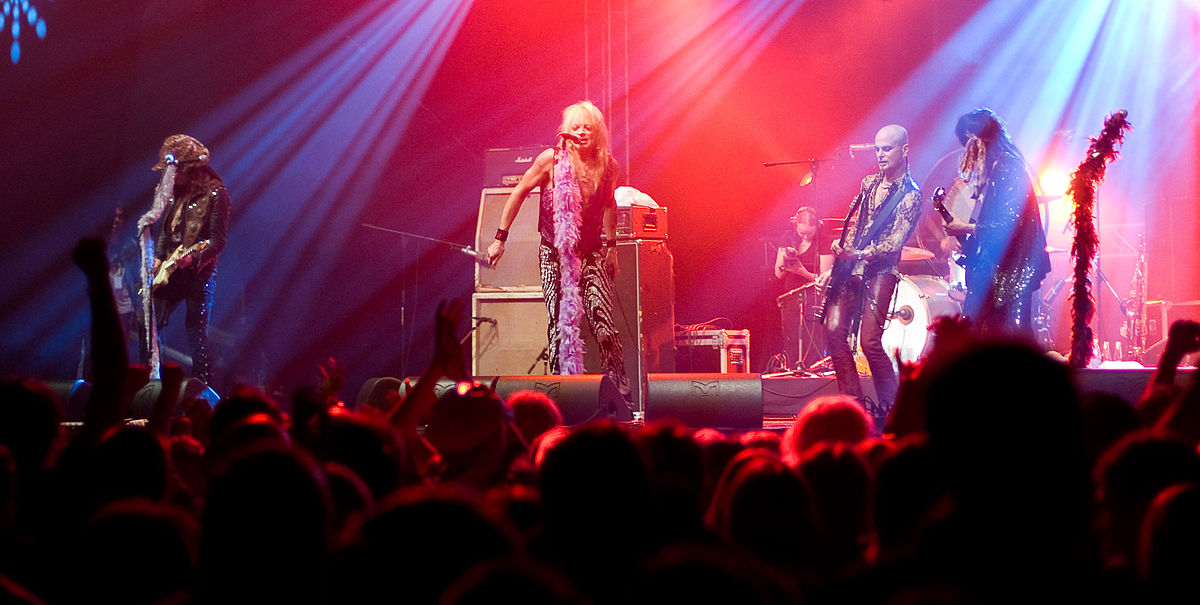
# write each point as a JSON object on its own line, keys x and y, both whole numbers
{"x": 946, "y": 216}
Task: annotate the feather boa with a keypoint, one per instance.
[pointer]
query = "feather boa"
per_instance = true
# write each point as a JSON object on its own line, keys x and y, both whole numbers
{"x": 1082, "y": 192}
{"x": 568, "y": 220}
{"x": 162, "y": 194}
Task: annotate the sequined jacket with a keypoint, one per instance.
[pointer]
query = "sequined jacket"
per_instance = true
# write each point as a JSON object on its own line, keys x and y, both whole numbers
{"x": 198, "y": 210}
{"x": 1008, "y": 257}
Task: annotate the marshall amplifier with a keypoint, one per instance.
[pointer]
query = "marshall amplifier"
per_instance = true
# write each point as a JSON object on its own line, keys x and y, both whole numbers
{"x": 504, "y": 167}
{"x": 641, "y": 222}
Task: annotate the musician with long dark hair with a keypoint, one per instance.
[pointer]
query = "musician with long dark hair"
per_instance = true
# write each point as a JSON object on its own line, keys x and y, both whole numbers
{"x": 191, "y": 209}
{"x": 1006, "y": 252}
{"x": 800, "y": 258}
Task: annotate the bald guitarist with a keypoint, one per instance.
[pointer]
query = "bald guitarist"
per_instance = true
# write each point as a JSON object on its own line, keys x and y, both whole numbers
{"x": 864, "y": 276}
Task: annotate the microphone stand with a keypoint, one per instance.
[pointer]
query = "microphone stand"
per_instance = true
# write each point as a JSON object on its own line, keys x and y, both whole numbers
{"x": 473, "y": 329}
{"x": 543, "y": 355}
{"x": 813, "y": 162}
{"x": 405, "y": 235}
{"x": 468, "y": 250}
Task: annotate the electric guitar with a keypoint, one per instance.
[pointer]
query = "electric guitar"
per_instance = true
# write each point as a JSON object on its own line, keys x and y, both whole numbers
{"x": 172, "y": 263}
{"x": 965, "y": 241}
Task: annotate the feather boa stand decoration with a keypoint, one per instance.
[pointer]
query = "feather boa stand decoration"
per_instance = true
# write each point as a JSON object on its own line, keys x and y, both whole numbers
{"x": 568, "y": 220}
{"x": 1082, "y": 192}
{"x": 162, "y": 194}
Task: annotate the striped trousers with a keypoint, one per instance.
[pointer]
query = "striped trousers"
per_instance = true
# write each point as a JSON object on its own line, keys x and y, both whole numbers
{"x": 598, "y": 295}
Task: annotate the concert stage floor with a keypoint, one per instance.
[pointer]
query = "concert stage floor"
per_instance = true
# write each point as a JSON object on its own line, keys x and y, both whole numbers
{"x": 786, "y": 396}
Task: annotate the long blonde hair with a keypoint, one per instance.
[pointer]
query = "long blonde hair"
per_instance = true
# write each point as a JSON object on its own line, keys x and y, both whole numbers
{"x": 589, "y": 171}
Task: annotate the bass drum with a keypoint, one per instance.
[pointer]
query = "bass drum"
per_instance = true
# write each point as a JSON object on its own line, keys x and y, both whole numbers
{"x": 919, "y": 300}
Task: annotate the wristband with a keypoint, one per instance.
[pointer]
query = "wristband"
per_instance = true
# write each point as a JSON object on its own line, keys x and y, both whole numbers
{"x": 502, "y": 235}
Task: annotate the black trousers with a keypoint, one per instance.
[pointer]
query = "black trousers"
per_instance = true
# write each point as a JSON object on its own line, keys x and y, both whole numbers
{"x": 866, "y": 303}
{"x": 197, "y": 292}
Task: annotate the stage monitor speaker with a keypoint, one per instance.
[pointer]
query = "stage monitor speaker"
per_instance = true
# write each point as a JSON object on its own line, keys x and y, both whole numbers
{"x": 514, "y": 344}
{"x": 580, "y": 398}
{"x": 143, "y": 401}
{"x": 644, "y": 311}
{"x": 376, "y": 393}
{"x": 518, "y": 270}
{"x": 73, "y": 395}
{"x": 725, "y": 401}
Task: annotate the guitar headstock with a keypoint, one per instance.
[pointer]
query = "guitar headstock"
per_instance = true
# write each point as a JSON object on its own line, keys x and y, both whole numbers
{"x": 939, "y": 198}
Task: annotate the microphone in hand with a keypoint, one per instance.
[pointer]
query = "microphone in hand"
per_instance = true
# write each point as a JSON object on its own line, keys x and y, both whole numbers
{"x": 479, "y": 258}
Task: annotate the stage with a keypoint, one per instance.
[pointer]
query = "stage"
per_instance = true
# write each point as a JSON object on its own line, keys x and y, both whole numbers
{"x": 737, "y": 402}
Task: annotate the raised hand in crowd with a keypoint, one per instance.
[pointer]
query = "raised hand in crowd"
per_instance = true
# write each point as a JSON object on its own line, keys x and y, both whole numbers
{"x": 1182, "y": 338}
{"x": 1182, "y": 415}
{"x": 106, "y": 405}
{"x": 164, "y": 407}
{"x": 447, "y": 362}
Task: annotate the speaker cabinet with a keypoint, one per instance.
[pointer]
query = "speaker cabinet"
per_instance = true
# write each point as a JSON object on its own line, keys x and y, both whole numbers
{"x": 518, "y": 270}
{"x": 580, "y": 398}
{"x": 729, "y": 401}
{"x": 73, "y": 395}
{"x": 143, "y": 401}
{"x": 515, "y": 343}
{"x": 644, "y": 311}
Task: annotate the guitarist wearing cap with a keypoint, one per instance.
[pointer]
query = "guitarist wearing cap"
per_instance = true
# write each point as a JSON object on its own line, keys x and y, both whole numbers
{"x": 191, "y": 213}
{"x": 863, "y": 279}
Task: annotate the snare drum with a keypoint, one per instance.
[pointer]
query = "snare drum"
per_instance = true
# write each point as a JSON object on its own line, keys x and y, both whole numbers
{"x": 919, "y": 300}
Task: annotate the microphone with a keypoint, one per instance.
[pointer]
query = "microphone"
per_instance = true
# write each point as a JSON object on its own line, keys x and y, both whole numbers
{"x": 570, "y": 137}
{"x": 904, "y": 314}
{"x": 485, "y": 320}
{"x": 475, "y": 255}
{"x": 860, "y": 147}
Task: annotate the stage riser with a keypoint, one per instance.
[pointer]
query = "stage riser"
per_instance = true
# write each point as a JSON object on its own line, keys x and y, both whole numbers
{"x": 729, "y": 401}
{"x": 742, "y": 401}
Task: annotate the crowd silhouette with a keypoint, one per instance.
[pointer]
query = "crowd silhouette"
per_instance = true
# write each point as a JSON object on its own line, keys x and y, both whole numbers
{"x": 994, "y": 482}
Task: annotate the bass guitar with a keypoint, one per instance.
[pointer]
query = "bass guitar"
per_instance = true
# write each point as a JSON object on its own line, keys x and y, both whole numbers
{"x": 172, "y": 263}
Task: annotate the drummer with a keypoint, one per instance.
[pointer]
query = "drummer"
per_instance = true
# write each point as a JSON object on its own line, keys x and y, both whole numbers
{"x": 802, "y": 255}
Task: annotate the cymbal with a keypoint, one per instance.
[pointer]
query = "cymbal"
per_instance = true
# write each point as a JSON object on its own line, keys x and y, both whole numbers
{"x": 1053, "y": 250}
{"x": 910, "y": 253}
